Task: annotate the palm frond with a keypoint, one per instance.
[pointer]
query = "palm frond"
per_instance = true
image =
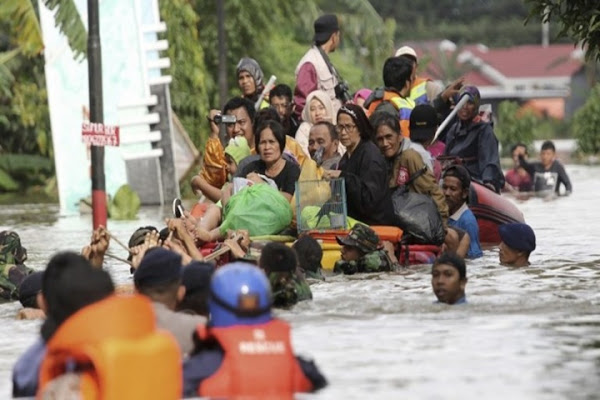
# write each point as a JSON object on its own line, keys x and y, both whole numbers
{"x": 28, "y": 35}
{"x": 70, "y": 24}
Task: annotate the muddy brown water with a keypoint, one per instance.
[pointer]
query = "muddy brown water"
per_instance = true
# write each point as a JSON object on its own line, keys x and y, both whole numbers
{"x": 531, "y": 333}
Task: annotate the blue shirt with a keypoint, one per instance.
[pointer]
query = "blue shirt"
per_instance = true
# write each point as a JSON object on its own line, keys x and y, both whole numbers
{"x": 464, "y": 219}
{"x": 462, "y": 300}
{"x": 27, "y": 370}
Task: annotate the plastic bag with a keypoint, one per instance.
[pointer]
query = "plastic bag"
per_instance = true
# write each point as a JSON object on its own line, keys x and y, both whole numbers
{"x": 418, "y": 216}
{"x": 260, "y": 209}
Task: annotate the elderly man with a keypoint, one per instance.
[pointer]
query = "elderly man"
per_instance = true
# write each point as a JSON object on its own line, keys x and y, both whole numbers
{"x": 518, "y": 241}
{"x": 323, "y": 144}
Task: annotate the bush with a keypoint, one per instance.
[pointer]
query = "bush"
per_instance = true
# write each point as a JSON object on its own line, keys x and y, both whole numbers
{"x": 514, "y": 125}
{"x": 586, "y": 124}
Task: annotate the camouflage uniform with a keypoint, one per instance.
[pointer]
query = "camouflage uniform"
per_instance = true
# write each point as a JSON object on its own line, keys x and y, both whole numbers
{"x": 289, "y": 288}
{"x": 373, "y": 259}
{"x": 12, "y": 270}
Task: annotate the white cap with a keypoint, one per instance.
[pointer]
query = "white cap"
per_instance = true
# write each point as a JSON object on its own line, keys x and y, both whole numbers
{"x": 406, "y": 51}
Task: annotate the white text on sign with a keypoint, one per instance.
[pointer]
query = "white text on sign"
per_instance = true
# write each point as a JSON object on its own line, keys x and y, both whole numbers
{"x": 97, "y": 134}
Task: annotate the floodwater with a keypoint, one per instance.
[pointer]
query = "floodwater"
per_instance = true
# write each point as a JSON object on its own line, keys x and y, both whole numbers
{"x": 531, "y": 333}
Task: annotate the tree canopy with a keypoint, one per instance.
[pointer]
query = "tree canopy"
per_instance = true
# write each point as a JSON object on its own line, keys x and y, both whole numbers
{"x": 578, "y": 20}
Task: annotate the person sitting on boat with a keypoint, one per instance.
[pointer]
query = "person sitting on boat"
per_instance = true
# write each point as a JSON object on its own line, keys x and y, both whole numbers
{"x": 362, "y": 252}
{"x": 292, "y": 151}
{"x": 394, "y": 97}
{"x": 288, "y": 284}
{"x": 310, "y": 256}
{"x": 243, "y": 351}
{"x": 449, "y": 279}
{"x": 323, "y": 143}
{"x": 517, "y": 178}
{"x": 271, "y": 166}
{"x": 318, "y": 109}
{"x": 456, "y": 185}
{"x": 250, "y": 80}
{"x": 159, "y": 278}
{"x": 364, "y": 169}
{"x": 69, "y": 283}
{"x": 213, "y": 174}
{"x": 518, "y": 241}
{"x": 280, "y": 98}
{"x": 407, "y": 157}
{"x": 548, "y": 173}
{"x": 473, "y": 142}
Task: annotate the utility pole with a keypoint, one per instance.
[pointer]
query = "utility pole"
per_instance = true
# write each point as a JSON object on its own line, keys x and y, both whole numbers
{"x": 222, "y": 45}
{"x": 96, "y": 113}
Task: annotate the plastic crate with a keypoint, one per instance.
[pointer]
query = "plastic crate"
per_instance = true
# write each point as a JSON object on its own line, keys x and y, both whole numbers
{"x": 321, "y": 205}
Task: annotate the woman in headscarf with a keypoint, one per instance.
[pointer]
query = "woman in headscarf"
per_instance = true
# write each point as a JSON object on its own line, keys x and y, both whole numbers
{"x": 364, "y": 168}
{"x": 250, "y": 80}
{"x": 472, "y": 140}
{"x": 319, "y": 108}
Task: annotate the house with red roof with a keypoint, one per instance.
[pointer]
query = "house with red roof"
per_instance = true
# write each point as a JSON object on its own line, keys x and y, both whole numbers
{"x": 550, "y": 79}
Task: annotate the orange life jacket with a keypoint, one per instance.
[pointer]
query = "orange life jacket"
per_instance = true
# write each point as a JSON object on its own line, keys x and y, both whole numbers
{"x": 119, "y": 352}
{"x": 258, "y": 361}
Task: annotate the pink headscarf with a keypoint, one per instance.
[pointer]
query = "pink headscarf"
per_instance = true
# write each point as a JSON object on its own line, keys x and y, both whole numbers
{"x": 362, "y": 94}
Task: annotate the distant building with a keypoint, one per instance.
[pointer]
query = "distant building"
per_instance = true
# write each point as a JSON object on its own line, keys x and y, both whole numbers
{"x": 556, "y": 73}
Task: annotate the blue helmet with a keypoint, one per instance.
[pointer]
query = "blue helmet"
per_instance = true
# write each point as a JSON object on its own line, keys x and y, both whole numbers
{"x": 240, "y": 294}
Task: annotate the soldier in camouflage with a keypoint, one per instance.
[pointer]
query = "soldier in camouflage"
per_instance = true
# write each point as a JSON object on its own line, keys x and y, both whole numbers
{"x": 361, "y": 252}
{"x": 288, "y": 284}
{"x": 12, "y": 270}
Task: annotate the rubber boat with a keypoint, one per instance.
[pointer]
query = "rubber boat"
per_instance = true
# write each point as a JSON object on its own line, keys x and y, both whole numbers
{"x": 491, "y": 211}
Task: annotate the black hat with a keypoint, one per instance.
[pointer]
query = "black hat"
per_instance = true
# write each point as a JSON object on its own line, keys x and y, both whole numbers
{"x": 158, "y": 266}
{"x": 423, "y": 123}
{"x": 196, "y": 276}
{"x": 29, "y": 288}
{"x": 459, "y": 172}
{"x": 325, "y": 26}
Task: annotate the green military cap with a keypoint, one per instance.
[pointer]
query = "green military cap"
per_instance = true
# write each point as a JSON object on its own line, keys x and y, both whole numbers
{"x": 362, "y": 237}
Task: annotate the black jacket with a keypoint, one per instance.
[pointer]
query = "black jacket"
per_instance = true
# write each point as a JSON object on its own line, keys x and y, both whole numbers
{"x": 367, "y": 192}
{"x": 477, "y": 145}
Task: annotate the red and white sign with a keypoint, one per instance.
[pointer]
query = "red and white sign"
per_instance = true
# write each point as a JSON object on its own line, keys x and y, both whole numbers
{"x": 97, "y": 134}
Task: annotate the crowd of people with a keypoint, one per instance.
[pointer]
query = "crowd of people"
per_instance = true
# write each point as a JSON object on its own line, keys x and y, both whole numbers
{"x": 204, "y": 313}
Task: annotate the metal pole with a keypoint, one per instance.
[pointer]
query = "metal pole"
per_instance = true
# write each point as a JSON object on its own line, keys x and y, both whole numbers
{"x": 96, "y": 113}
{"x": 222, "y": 45}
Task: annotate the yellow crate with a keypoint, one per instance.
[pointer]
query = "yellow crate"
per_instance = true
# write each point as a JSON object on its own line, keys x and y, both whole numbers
{"x": 331, "y": 253}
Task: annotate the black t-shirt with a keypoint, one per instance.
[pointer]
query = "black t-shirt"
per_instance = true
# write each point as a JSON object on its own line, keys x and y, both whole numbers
{"x": 285, "y": 181}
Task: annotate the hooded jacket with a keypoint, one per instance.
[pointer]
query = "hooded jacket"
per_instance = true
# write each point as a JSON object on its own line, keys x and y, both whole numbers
{"x": 475, "y": 143}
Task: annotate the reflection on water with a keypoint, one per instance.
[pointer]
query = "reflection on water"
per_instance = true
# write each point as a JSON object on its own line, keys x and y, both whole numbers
{"x": 530, "y": 333}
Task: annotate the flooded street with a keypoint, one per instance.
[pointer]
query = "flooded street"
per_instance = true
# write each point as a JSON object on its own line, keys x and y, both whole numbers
{"x": 531, "y": 333}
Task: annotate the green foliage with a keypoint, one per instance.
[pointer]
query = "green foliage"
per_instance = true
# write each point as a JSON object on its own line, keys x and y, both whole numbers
{"x": 20, "y": 171}
{"x": 493, "y": 23}
{"x": 28, "y": 35}
{"x": 514, "y": 125}
{"x": 7, "y": 183}
{"x": 578, "y": 20}
{"x": 191, "y": 84}
{"x": 586, "y": 124}
{"x": 70, "y": 24}
{"x": 125, "y": 204}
